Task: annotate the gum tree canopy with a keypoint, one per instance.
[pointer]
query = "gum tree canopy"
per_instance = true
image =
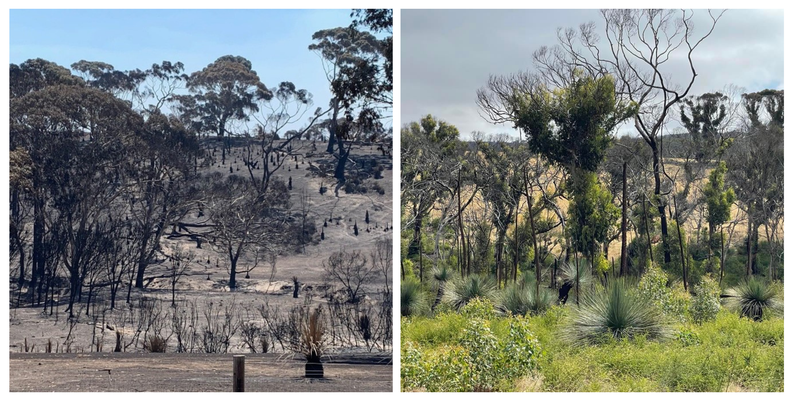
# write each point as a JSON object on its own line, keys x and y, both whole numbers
{"x": 225, "y": 91}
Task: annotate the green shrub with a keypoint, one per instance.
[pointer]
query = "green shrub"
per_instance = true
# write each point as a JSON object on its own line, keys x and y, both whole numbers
{"x": 705, "y": 303}
{"x": 478, "y": 308}
{"x": 654, "y": 288}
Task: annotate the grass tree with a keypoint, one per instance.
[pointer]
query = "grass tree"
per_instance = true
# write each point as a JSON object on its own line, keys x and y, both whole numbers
{"x": 752, "y": 297}
{"x": 441, "y": 276}
{"x": 412, "y": 298}
{"x": 459, "y": 292}
{"x": 616, "y": 310}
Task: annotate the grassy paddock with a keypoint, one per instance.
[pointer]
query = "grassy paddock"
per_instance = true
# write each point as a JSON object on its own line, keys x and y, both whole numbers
{"x": 728, "y": 353}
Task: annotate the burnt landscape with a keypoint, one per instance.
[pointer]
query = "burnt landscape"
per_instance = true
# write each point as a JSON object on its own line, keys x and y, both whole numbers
{"x": 162, "y": 221}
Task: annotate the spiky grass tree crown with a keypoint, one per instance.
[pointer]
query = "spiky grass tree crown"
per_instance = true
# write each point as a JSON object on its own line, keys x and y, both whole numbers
{"x": 523, "y": 299}
{"x": 460, "y": 291}
{"x": 443, "y": 274}
{"x": 412, "y": 298}
{"x": 570, "y": 272}
{"x": 752, "y": 297}
{"x": 615, "y": 310}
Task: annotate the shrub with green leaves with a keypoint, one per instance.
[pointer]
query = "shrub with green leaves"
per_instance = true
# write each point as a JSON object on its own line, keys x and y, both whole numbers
{"x": 705, "y": 303}
{"x": 521, "y": 349}
{"x": 483, "y": 351}
{"x": 654, "y": 288}
{"x": 486, "y": 357}
{"x": 478, "y": 308}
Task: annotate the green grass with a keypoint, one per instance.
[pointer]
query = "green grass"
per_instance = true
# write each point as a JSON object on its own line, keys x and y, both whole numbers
{"x": 728, "y": 353}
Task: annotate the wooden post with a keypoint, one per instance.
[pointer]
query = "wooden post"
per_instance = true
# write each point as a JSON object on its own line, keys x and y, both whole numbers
{"x": 238, "y": 373}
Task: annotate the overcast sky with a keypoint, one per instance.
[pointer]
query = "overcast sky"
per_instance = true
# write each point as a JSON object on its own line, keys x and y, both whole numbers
{"x": 447, "y": 55}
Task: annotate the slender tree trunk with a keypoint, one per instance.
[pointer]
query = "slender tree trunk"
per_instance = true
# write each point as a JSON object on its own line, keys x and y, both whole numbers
{"x": 646, "y": 217}
{"x": 232, "y": 275}
{"x": 464, "y": 249}
{"x": 661, "y": 207}
{"x": 577, "y": 280}
{"x": 721, "y": 254}
{"x": 516, "y": 244}
{"x": 623, "y": 259}
{"x": 683, "y": 256}
{"x": 334, "y": 127}
{"x": 536, "y": 260}
{"x": 748, "y": 245}
{"x": 38, "y": 246}
{"x": 344, "y": 154}
{"x": 418, "y": 235}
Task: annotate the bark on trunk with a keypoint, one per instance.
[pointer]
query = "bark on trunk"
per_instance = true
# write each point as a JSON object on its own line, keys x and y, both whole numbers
{"x": 623, "y": 260}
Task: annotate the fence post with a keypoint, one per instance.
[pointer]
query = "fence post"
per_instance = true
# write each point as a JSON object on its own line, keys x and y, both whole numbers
{"x": 238, "y": 373}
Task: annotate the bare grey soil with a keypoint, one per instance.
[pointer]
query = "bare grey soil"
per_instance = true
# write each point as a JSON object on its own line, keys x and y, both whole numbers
{"x": 140, "y": 372}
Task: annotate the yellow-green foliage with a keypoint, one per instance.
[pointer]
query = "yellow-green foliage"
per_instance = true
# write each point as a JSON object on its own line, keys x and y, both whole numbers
{"x": 467, "y": 351}
{"x": 705, "y": 303}
{"x": 723, "y": 354}
{"x": 672, "y": 301}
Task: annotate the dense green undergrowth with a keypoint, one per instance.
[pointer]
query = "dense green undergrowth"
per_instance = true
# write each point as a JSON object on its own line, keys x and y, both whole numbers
{"x": 477, "y": 350}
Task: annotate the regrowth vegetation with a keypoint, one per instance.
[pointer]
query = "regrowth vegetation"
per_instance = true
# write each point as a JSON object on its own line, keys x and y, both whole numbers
{"x": 605, "y": 243}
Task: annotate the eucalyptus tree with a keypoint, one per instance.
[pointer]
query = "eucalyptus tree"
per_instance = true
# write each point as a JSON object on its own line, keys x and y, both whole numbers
{"x": 569, "y": 123}
{"x": 287, "y": 106}
{"x": 427, "y": 154}
{"x": 502, "y": 186}
{"x": 223, "y": 93}
{"x": 74, "y": 135}
{"x": 636, "y": 47}
{"x": 358, "y": 84}
{"x": 103, "y": 76}
{"x": 28, "y": 192}
{"x": 707, "y": 120}
{"x": 244, "y": 221}
{"x": 756, "y": 170}
{"x": 159, "y": 172}
{"x": 719, "y": 200}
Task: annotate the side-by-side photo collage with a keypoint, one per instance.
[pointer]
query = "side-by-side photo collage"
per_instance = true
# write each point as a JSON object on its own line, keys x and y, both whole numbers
{"x": 503, "y": 200}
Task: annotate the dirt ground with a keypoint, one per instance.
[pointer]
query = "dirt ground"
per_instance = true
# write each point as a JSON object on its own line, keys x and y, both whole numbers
{"x": 139, "y": 372}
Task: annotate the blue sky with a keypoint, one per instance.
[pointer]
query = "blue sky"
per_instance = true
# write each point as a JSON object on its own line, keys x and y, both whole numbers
{"x": 275, "y": 41}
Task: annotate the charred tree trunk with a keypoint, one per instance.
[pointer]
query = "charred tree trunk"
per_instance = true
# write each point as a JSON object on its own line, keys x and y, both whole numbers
{"x": 623, "y": 259}
{"x": 661, "y": 206}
